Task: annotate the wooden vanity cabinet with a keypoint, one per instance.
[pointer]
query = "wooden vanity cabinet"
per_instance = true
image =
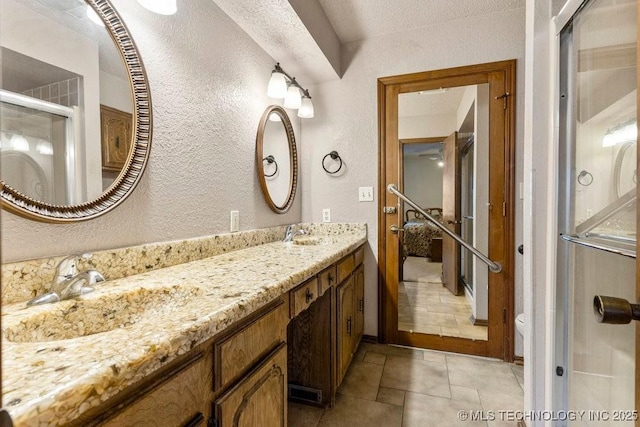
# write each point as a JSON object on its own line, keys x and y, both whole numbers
{"x": 238, "y": 378}
{"x": 350, "y": 310}
{"x": 346, "y": 317}
{"x": 260, "y": 398}
{"x": 178, "y": 399}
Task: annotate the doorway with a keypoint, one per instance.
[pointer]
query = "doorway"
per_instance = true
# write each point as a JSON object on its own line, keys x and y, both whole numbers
{"x": 447, "y": 142}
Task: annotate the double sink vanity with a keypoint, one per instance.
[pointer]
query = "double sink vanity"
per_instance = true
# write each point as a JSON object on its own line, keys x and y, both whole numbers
{"x": 224, "y": 340}
{"x": 220, "y": 330}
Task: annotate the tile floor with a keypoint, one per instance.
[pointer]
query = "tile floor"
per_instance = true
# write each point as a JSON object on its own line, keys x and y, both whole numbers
{"x": 425, "y": 306}
{"x": 390, "y": 386}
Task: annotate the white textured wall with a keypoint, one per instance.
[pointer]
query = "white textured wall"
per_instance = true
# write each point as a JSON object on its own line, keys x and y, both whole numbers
{"x": 208, "y": 81}
{"x": 423, "y": 181}
{"x": 346, "y": 117}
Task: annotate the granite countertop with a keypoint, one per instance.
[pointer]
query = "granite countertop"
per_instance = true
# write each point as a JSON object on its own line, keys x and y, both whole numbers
{"x": 53, "y": 382}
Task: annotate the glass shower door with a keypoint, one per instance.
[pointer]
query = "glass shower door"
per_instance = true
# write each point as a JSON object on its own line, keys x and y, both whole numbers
{"x": 597, "y": 211}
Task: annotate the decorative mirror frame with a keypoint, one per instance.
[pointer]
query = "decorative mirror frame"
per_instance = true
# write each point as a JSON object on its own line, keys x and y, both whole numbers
{"x": 293, "y": 158}
{"x": 20, "y": 204}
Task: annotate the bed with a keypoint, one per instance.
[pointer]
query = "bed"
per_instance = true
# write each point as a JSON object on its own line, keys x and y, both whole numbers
{"x": 419, "y": 234}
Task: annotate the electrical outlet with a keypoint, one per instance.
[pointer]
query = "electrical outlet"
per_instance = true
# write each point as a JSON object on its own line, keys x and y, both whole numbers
{"x": 326, "y": 215}
{"x": 365, "y": 194}
{"x": 235, "y": 221}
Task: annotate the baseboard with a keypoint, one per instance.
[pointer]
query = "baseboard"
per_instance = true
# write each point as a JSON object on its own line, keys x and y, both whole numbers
{"x": 478, "y": 322}
{"x": 372, "y": 339}
{"x": 518, "y": 360}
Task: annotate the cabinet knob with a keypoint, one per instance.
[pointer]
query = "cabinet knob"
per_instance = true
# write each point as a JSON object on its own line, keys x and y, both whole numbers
{"x": 330, "y": 277}
{"x": 308, "y": 295}
{"x": 349, "y": 325}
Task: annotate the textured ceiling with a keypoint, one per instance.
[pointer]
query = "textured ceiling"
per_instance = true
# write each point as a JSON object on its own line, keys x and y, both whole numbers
{"x": 360, "y": 19}
{"x": 278, "y": 29}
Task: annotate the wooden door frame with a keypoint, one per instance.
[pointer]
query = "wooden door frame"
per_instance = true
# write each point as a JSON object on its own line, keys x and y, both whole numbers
{"x": 502, "y": 233}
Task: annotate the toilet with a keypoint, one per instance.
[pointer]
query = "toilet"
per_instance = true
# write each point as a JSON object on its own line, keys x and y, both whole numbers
{"x": 520, "y": 324}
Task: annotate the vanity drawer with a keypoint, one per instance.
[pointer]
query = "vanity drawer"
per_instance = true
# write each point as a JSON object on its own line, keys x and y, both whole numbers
{"x": 358, "y": 255}
{"x": 236, "y": 354}
{"x": 326, "y": 279}
{"x": 345, "y": 266}
{"x": 177, "y": 401}
{"x": 303, "y": 296}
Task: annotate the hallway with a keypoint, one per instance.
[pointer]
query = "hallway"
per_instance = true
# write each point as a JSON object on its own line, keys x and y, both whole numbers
{"x": 395, "y": 386}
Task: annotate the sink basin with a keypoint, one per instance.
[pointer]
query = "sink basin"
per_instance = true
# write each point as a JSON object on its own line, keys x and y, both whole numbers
{"x": 97, "y": 313}
{"x": 312, "y": 240}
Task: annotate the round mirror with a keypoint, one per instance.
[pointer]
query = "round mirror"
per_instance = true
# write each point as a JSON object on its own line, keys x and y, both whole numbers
{"x": 277, "y": 159}
{"x": 75, "y": 109}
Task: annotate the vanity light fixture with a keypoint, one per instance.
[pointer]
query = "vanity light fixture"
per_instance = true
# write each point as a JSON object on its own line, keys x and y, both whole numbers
{"x": 19, "y": 143}
{"x": 93, "y": 16}
{"x": 624, "y": 132}
{"x": 282, "y": 85}
{"x": 44, "y": 147}
{"x": 162, "y": 7}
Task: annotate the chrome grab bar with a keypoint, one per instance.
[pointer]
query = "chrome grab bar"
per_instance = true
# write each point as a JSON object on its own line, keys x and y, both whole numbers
{"x": 494, "y": 267}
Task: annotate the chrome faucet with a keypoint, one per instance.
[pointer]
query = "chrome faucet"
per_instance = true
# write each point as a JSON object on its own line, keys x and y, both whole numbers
{"x": 289, "y": 234}
{"x": 68, "y": 283}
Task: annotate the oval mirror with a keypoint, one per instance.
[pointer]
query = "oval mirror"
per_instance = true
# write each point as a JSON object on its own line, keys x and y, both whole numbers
{"x": 277, "y": 159}
{"x": 75, "y": 109}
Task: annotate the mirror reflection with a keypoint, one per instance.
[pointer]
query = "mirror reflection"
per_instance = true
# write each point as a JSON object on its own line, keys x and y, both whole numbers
{"x": 66, "y": 103}
{"x": 276, "y": 159}
{"x": 444, "y": 135}
{"x": 276, "y": 163}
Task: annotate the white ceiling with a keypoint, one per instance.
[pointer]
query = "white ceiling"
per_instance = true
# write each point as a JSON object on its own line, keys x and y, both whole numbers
{"x": 428, "y": 103}
{"x": 286, "y": 35}
{"x": 305, "y": 36}
{"x": 360, "y": 19}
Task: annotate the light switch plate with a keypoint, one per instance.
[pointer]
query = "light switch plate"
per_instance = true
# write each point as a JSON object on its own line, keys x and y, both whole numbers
{"x": 326, "y": 215}
{"x": 235, "y": 221}
{"x": 365, "y": 194}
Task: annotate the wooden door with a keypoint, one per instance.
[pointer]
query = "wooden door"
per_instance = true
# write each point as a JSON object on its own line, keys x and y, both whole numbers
{"x": 345, "y": 326}
{"x": 359, "y": 305}
{"x": 500, "y": 204}
{"x": 451, "y": 213}
{"x": 260, "y": 399}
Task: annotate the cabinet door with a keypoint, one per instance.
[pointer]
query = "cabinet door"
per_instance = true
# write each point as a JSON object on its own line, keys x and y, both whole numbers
{"x": 345, "y": 326}
{"x": 179, "y": 401}
{"x": 358, "y": 327}
{"x": 260, "y": 398}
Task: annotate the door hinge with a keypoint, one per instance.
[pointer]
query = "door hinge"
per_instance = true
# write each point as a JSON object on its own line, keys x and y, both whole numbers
{"x": 504, "y": 208}
{"x": 504, "y": 97}
{"x": 504, "y": 315}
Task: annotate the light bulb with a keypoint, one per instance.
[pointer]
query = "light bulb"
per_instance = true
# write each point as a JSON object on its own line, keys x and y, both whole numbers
{"x": 625, "y": 132}
{"x": 306, "y": 108}
{"x": 44, "y": 147}
{"x": 163, "y": 7}
{"x": 93, "y": 16}
{"x": 19, "y": 143}
{"x": 293, "y": 100}
{"x": 441, "y": 164}
{"x": 277, "y": 86}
